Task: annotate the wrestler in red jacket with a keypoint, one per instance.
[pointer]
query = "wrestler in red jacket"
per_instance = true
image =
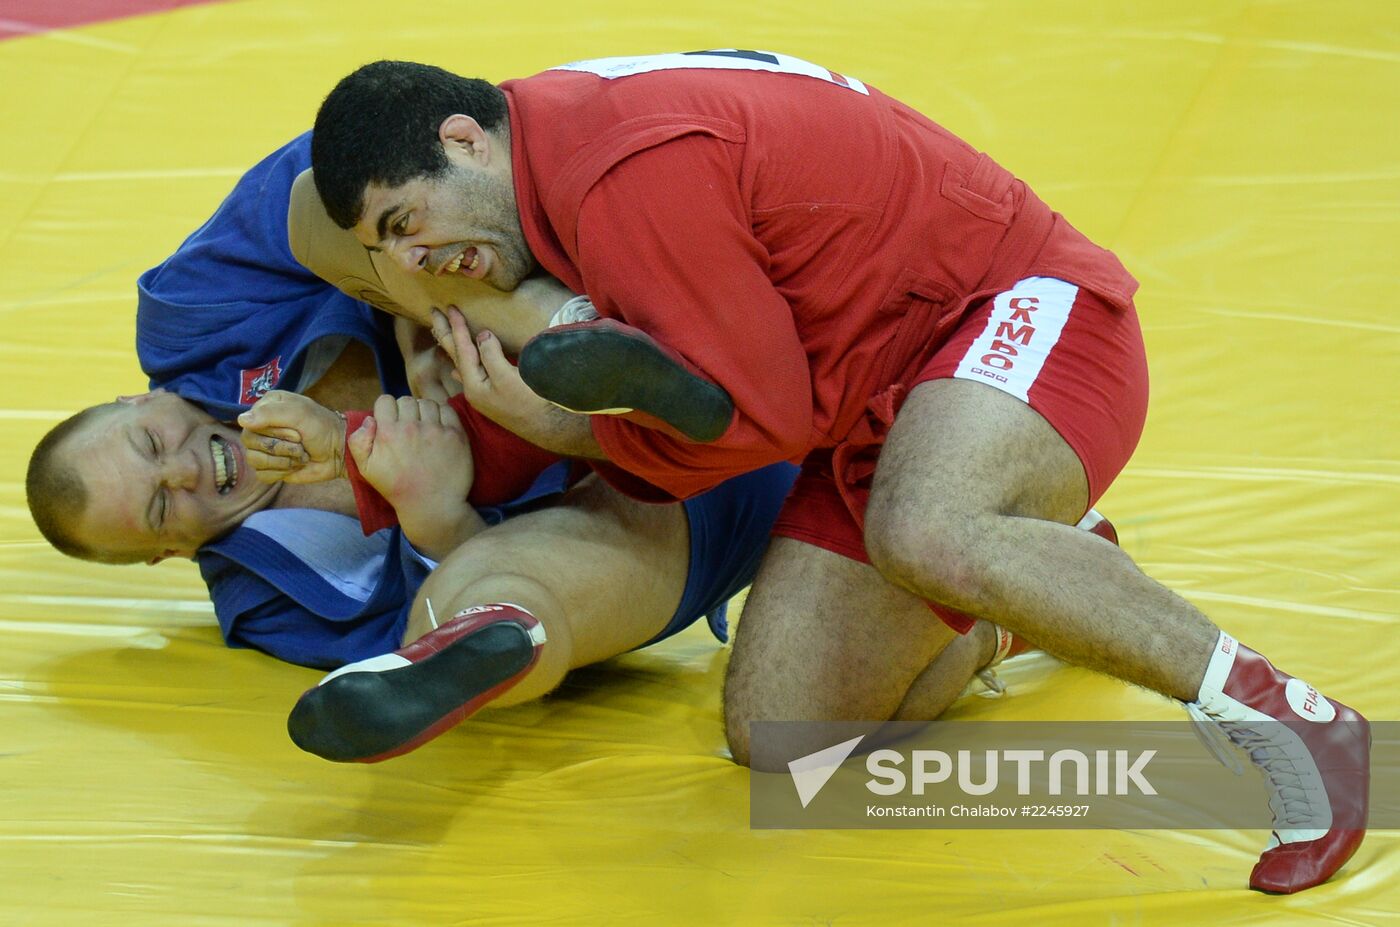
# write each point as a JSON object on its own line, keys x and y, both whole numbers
{"x": 829, "y": 277}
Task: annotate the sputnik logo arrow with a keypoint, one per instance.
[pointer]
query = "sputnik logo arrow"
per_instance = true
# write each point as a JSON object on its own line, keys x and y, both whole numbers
{"x": 811, "y": 773}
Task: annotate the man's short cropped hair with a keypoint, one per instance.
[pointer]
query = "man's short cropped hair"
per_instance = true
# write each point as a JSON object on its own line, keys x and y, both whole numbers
{"x": 56, "y": 493}
{"x": 380, "y": 125}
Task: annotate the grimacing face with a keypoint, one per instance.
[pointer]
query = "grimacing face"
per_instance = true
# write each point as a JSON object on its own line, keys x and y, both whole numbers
{"x": 163, "y": 478}
{"x": 461, "y": 224}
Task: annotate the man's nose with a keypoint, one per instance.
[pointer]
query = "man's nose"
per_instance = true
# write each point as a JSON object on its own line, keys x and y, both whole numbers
{"x": 182, "y": 471}
{"x": 412, "y": 259}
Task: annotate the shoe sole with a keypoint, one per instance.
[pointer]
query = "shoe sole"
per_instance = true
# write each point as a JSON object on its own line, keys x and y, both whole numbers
{"x": 370, "y": 716}
{"x": 590, "y": 370}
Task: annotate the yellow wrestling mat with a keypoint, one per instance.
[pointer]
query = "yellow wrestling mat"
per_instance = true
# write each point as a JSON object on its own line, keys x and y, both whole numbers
{"x": 1241, "y": 157}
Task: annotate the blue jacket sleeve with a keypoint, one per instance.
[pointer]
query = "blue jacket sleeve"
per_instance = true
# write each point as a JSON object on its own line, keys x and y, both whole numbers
{"x": 268, "y": 598}
{"x": 260, "y": 616}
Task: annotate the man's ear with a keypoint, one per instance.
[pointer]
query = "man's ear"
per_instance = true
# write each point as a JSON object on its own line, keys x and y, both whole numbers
{"x": 168, "y": 553}
{"x": 136, "y": 399}
{"x": 463, "y": 134}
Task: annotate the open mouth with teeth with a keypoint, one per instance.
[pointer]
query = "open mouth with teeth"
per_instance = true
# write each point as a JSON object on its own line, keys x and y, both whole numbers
{"x": 225, "y": 465}
{"x": 454, "y": 265}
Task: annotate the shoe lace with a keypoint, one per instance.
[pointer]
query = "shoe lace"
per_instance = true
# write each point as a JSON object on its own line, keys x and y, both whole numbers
{"x": 1214, "y": 738}
{"x": 995, "y": 688}
{"x": 1292, "y": 802}
{"x": 578, "y": 309}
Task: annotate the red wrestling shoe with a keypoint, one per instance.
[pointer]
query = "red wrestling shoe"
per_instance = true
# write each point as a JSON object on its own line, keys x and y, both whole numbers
{"x": 1094, "y": 523}
{"x": 385, "y": 706}
{"x": 1315, "y": 755}
{"x": 604, "y": 367}
{"x": 1008, "y": 645}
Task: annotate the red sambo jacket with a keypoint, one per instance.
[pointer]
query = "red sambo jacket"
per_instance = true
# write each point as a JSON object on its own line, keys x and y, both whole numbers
{"x": 804, "y": 240}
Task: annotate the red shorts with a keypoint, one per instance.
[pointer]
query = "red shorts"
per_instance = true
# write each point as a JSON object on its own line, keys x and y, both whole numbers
{"x": 1063, "y": 350}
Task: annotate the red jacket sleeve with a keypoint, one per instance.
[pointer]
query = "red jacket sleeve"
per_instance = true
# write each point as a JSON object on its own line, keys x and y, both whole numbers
{"x": 680, "y": 261}
{"x": 374, "y": 510}
{"x": 505, "y": 465}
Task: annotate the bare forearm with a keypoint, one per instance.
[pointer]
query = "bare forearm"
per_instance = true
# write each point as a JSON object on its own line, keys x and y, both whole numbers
{"x": 546, "y": 293}
{"x": 439, "y": 533}
{"x": 493, "y": 387}
{"x": 566, "y": 433}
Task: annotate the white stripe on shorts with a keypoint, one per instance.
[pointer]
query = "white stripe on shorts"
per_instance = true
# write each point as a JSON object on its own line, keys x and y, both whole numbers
{"x": 1024, "y": 325}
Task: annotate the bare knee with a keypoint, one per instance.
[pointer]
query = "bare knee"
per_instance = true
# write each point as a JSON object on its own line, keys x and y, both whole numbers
{"x": 737, "y": 714}
{"x": 934, "y": 552}
{"x": 768, "y": 747}
{"x": 749, "y": 703}
{"x": 738, "y": 745}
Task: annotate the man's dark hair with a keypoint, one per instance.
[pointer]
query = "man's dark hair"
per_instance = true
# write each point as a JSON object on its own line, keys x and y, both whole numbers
{"x": 56, "y": 493}
{"x": 380, "y": 125}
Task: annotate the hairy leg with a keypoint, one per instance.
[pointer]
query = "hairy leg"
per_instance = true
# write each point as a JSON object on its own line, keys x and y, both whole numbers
{"x": 965, "y": 507}
{"x": 601, "y": 572}
{"x": 973, "y": 506}
{"x": 826, "y": 638}
{"x": 943, "y": 680}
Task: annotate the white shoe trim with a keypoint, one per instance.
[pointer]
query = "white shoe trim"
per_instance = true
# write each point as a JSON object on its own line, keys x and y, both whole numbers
{"x": 618, "y": 411}
{"x": 1090, "y": 521}
{"x": 537, "y": 633}
{"x": 385, "y": 661}
{"x": 490, "y": 607}
{"x": 1004, "y": 641}
{"x": 1222, "y": 660}
{"x": 1301, "y": 834}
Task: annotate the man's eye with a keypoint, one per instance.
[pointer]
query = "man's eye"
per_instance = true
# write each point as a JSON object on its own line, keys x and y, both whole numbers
{"x": 400, "y": 226}
{"x": 150, "y": 436}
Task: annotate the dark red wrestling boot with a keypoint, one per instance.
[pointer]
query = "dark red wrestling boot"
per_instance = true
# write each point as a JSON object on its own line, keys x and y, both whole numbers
{"x": 386, "y": 706}
{"x": 605, "y": 367}
{"x": 1314, "y": 753}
